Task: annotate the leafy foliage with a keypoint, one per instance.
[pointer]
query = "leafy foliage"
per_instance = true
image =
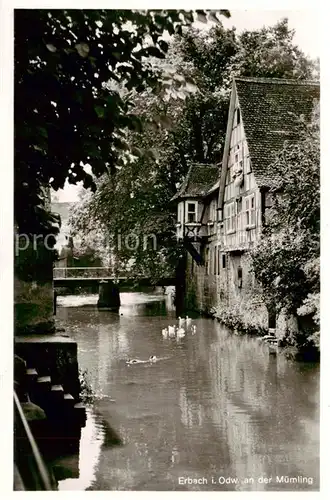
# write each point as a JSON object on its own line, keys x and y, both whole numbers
{"x": 192, "y": 129}
{"x": 271, "y": 52}
{"x": 286, "y": 261}
{"x": 65, "y": 116}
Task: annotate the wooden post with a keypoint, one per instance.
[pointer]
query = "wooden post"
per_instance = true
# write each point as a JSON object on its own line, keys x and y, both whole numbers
{"x": 109, "y": 296}
{"x": 55, "y": 302}
{"x": 180, "y": 285}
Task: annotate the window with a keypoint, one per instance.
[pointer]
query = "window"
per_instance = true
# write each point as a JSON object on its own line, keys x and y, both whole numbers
{"x": 230, "y": 218}
{"x": 212, "y": 213}
{"x": 248, "y": 165}
{"x": 249, "y": 211}
{"x": 223, "y": 261}
{"x": 268, "y": 200}
{"x": 237, "y": 117}
{"x": 239, "y": 276}
{"x": 219, "y": 261}
{"x": 191, "y": 214}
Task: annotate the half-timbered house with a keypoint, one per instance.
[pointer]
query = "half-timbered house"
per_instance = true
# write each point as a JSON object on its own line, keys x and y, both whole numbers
{"x": 221, "y": 211}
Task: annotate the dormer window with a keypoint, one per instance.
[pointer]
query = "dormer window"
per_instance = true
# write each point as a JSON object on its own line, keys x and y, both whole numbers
{"x": 191, "y": 211}
{"x": 248, "y": 165}
{"x": 237, "y": 117}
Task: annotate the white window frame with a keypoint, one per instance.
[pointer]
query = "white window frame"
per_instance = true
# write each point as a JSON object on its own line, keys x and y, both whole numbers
{"x": 230, "y": 217}
{"x": 248, "y": 164}
{"x": 249, "y": 211}
{"x": 180, "y": 212}
{"x": 187, "y": 212}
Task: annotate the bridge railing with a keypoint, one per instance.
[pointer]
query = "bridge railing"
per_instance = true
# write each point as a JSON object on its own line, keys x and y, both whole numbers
{"x": 82, "y": 272}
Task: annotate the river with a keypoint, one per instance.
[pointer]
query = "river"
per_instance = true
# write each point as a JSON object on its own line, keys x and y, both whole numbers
{"x": 216, "y": 413}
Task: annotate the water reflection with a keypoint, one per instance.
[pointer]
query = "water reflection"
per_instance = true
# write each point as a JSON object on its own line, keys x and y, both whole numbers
{"x": 83, "y": 474}
{"x": 216, "y": 405}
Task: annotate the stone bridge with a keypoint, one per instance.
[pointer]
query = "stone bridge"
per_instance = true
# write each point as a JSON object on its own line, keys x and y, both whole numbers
{"x": 109, "y": 283}
{"x": 86, "y": 276}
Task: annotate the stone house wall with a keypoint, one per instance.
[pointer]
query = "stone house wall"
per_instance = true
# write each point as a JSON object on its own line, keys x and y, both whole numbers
{"x": 222, "y": 295}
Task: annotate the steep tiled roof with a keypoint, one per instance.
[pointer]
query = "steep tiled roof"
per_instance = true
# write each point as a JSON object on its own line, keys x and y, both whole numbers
{"x": 198, "y": 182}
{"x": 269, "y": 110}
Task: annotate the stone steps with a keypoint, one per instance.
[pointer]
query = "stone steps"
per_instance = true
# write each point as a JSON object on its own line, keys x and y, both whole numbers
{"x": 57, "y": 393}
{"x": 61, "y": 407}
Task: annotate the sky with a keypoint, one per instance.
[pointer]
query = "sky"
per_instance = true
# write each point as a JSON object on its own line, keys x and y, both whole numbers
{"x": 304, "y": 22}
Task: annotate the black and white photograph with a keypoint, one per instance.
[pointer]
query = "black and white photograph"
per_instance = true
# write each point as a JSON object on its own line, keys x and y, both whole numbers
{"x": 166, "y": 249}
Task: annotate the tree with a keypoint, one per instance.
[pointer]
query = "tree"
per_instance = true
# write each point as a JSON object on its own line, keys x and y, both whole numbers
{"x": 64, "y": 114}
{"x": 271, "y": 52}
{"x": 193, "y": 130}
{"x": 286, "y": 260}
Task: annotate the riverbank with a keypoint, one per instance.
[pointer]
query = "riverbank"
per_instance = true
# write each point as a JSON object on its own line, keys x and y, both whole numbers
{"x": 294, "y": 346}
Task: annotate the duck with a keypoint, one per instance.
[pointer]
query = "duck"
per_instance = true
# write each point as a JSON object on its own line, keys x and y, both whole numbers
{"x": 180, "y": 332}
{"x": 131, "y": 361}
{"x": 193, "y": 329}
{"x": 153, "y": 358}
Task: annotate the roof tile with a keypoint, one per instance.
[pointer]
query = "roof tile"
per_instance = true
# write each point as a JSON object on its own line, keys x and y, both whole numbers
{"x": 200, "y": 179}
{"x": 270, "y": 109}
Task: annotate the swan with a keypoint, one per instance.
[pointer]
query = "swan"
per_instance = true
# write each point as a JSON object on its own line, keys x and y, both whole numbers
{"x": 180, "y": 333}
{"x": 165, "y": 333}
{"x": 193, "y": 329}
{"x": 171, "y": 331}
{"x": 188, "y": 321}
{"x": 152, "y": 358}
{"x": 181, "y": 321}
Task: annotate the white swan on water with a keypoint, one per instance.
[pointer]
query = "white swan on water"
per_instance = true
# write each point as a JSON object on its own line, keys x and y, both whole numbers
{"x": 180, "y": 333}
{"x": 171, "y": 331}
{"x": 188, "y": 321}
{"x": 139, "y": 361}
{"x": 165, "y": 333}
{"x": 181, "y": 321}
{"x": 193, "y": 329}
